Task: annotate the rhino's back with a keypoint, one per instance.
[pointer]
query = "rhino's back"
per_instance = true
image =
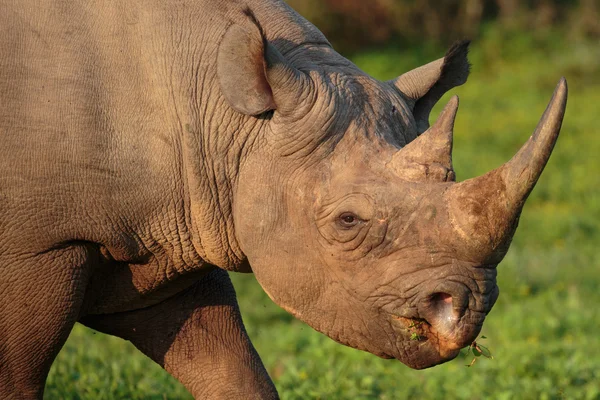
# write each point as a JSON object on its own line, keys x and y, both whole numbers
{"x": 83, "y": 123}
{"x": 94, "y": 97}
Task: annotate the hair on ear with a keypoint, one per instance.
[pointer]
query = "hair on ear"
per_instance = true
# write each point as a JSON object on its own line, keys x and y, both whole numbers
{"x": 424, "y": 86}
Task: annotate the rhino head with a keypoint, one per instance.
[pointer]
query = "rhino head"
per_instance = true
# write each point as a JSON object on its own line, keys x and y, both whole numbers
{"x": 346, "y": 203}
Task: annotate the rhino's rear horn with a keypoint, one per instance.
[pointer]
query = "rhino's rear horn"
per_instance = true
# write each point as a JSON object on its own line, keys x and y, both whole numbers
{"x": 429, "y": 157}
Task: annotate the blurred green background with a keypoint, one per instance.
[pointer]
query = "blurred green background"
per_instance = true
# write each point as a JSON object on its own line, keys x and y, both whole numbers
{"x": 544, "y": 329}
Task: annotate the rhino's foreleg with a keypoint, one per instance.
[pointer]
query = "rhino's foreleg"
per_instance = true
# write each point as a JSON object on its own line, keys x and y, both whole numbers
{"x": 40, "y": 299}
{"x": 199, "y": 338}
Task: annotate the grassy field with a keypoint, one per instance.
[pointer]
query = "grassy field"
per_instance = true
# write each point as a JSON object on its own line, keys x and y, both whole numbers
{"x": 544, "y": 329}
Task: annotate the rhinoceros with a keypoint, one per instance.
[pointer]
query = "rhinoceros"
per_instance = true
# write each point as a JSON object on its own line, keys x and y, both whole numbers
{"x": 149, "y": 147}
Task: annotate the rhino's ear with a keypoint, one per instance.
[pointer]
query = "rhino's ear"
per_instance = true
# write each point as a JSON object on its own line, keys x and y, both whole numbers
{"x": 424, "y": 86}
{"x": 253, "y": 75}
{"x": 241, "y": 72}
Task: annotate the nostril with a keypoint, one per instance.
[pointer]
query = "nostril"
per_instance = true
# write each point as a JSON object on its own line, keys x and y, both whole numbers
{"x": 444, "y": 310}
{"x": 441, "y": 298}
{"x": 441, "y": 305}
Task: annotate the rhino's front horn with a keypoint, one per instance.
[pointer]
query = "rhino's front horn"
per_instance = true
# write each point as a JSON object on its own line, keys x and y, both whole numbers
{"x": 485, "y": 210}
{"x": 429, "y": 157}
{"x": 523, "y": 170}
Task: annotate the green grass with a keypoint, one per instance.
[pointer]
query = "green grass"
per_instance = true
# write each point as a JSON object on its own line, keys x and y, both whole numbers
{"x": 544, "y": 329}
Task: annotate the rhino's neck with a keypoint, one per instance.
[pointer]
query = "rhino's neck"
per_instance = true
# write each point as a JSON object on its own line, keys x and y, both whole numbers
{"x": 215, "y": 138}
{"x": 213, "y": 150}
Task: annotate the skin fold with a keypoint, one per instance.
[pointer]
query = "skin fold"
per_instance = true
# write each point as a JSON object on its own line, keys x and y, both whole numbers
{"x": 148, "y": 147}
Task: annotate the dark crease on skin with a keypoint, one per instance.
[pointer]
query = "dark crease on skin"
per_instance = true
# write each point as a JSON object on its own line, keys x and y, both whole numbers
{"x": 337, "y": 121}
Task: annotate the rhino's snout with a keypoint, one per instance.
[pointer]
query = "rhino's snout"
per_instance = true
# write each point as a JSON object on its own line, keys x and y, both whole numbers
{"x": 450, "y": 317}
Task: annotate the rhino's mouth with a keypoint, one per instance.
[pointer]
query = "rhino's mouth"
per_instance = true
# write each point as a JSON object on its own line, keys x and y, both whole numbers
{"x": 425, "y": 346}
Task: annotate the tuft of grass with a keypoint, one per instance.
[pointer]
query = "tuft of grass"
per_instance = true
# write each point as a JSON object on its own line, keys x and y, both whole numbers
{"x": 546, "y": 320}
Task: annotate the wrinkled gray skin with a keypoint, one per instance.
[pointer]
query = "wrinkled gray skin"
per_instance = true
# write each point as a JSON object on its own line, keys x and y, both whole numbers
{"x": 146, "y": 147}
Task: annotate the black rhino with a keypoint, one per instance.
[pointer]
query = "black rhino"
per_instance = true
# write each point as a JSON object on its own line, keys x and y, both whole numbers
{"x": 148, "y": 147}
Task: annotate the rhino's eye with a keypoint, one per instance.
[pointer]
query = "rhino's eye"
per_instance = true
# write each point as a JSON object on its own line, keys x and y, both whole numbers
{"x": 348, "y": 220}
